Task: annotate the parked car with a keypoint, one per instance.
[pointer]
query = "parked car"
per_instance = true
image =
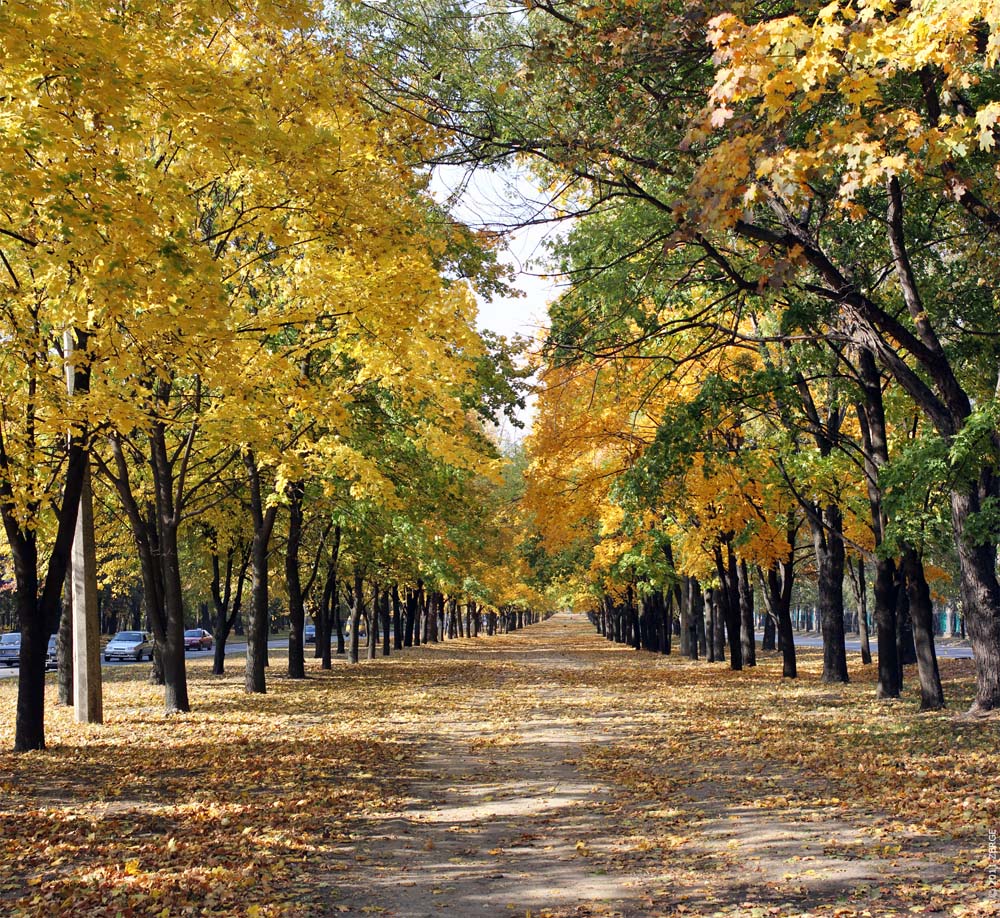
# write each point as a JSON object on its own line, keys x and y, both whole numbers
{"x": 129, "y": 645}
{"x": 309, "y": 634}
{"x": 197, "y": 639}
{"x": 10, "y": 648}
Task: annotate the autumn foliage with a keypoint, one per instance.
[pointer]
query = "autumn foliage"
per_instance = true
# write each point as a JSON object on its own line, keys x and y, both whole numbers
{"x": 262, "y": 308}
{"x": 237, "y": 320}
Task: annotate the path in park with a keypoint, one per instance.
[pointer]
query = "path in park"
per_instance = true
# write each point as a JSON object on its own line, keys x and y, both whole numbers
{"x": 508, "y": 810}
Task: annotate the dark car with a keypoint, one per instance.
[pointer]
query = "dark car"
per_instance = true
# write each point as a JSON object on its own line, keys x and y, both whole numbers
{"x": 10, "y": 648}
{"x": 309, "y": 634}
{"x": 197, "y": 639}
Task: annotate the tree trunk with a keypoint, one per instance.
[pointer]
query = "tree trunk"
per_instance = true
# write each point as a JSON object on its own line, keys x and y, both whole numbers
{"x": 666, "y": 602}
{"x": 748, "y": 639}
{"x": 411, "y": 617}
{"x": 218, "y": 657}
{"x": 373, "y": 621}
{"x": 694, "y": 602}
{"x": 156, "y": 676}
{"x": 153, "y": 526}
{"x": 419, "y": 612}
{"x": 227, "y": 608}
{"x": 384, "y": 610}
{"x": 861, "y": 604}
{"x": 700, "y": 608}
{"x": 718, "y": 627}
{"x": 644, "y": 622}
{"x": 323, "y": 620}
{"x": 255, "y": 680}
{"x": 175, "y": 692}
{"x": 768, "y": 640}
{"x": 328, "y": 609}
{"x": 889, "y": 681}
{"x": 728, "y": 600}
{"x": 829, "y": 545}
{"x": 397, "y": 619}
{"x": 871, "y": 417}
{"x": 433, "y": 607}
{"x": 174, "y": 669}
{"x": 922, "y": 615}
{"x": 64, "y": 651}
{"x": 783, "y": 593}
{"x": 906, "y": 649}
{"x": 980, "y": 600}
{"x": 338, "y": 624}
{"x": 30, "y": 721}
{"x": 293, "y": 583}
{"x": 710, "y": 616}
{"x": 689, "y": 635}
{"x": 257, "y": 630}
{"x": 633, "y": 618}
{"x": 220, "y": 604}
{"x": 356, "y": 606}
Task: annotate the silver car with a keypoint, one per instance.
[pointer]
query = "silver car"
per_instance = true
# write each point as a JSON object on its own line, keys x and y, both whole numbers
{"x": 129, "y": 645}
{"x": 10, "y": 648}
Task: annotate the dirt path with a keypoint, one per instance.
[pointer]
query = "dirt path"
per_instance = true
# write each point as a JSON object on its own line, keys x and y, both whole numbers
{"x": 521, "y": 798}
{"x": 501, "y": 817}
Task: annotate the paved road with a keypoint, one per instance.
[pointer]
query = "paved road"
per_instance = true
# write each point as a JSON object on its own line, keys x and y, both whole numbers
{"x": 945, "y": 651}
{"x": 232, "y": 650}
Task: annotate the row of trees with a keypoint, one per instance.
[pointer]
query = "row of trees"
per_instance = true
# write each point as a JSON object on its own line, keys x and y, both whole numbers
{"x": 778, "y": 348}
{"x": 397, "y": 621}
{"x": 267, "y": 322}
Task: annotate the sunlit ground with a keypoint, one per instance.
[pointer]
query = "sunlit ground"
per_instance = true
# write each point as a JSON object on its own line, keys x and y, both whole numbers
{"x": 245, "y": 805}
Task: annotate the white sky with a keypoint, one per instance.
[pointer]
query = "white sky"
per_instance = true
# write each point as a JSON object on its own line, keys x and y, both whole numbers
{"x": 499, "y": 201}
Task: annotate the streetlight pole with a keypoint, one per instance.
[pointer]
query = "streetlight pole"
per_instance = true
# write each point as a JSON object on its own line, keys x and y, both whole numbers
{"x": 88, "y": 701}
